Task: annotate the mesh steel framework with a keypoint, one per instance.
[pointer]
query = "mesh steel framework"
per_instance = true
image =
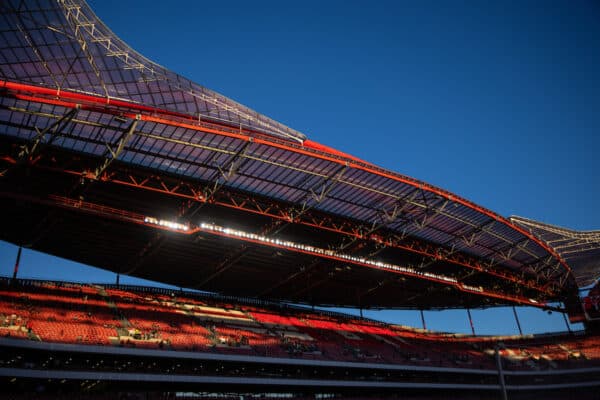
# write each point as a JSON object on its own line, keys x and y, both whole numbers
{"x": 63, "y": 45}
{"x": 68, "y": 82}
{"x": 581, "y": 249}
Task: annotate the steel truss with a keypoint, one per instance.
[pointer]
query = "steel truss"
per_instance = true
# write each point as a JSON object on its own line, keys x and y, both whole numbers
{"x": 574, "y": 246}
{"x": 566, "y": 241}
{"x": 91, "y": 32}
{"x": 426, "y": 209}
{"x": 77, "y": 99}
{"x": 118, "y": 214}
{"x": 197, "y": 194}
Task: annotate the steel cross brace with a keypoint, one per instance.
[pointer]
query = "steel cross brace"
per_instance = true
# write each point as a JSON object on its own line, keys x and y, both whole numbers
{"x": 318, "y": 193}
{"x": 119, "y": 147}
{"x": 72, "y": 13}
{"x": 469, "y": 238}
{"x": 225, "y": 172}
{"x": 28, "y": 151}
{"x": 275, "y": 210}
{"x": 222, "y": 175}
{"x": 387, "y": 217}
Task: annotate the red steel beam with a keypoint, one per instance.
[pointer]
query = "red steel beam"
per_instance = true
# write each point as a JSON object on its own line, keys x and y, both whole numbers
{"x": 275, "y": 211}
{"x": 140, "y": 219}
{"x": 152, "y": 114}
{"x": 157, "y": 184}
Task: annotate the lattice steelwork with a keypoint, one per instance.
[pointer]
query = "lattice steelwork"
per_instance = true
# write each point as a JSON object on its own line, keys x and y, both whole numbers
{"x": 62, "y": 44}
{"x": 581, "y": 249}
{"x": 69, "y": 83}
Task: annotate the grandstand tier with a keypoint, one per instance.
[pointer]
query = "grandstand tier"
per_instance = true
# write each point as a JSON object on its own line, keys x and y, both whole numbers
{"x": 113, "y": 336}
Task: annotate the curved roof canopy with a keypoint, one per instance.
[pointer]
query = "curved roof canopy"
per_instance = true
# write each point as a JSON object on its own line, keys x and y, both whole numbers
{"x": 580, "y": 249}
{"x": 62, "y": 44}
{"x": 68, "y": 84}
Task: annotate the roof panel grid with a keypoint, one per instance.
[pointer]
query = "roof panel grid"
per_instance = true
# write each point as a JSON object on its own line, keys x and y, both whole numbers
{"x": 64, "y": 46}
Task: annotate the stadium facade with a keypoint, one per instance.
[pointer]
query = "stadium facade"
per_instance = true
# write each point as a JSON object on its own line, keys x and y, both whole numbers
{"x": 109, "y": 159}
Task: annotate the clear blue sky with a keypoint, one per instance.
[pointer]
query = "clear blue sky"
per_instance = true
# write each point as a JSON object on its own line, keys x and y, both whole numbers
{"x": 498, "y": 102}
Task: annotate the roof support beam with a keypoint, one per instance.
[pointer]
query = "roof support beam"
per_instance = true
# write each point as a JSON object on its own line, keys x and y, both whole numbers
{"x": 113, "y": 153}
{"x": 279, "y": 211}
{"x": 228, "y": 199}
{"x": 71, "y": 15}
{"x": 323, "y": 189}
{"x": 469, "y": 238}
{"x": 221, "y": 176}
{"x": 28, "y": 151}
{"x": 317, "y": 193}
{"x": 387, "y": 217}
{"x": 225, "y": 172}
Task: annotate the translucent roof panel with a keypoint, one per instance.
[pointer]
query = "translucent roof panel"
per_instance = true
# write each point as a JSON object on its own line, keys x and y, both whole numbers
{"x": 580, "y": 249}
{"x": 58, "y": 60}
{"x": 63, "y": 45}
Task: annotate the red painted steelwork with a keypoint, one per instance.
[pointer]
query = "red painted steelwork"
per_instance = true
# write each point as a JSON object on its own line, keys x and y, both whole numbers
{"x": 276, "y": 212}
{"x": 139, "y": 219}
{"x": 309, "y": 148}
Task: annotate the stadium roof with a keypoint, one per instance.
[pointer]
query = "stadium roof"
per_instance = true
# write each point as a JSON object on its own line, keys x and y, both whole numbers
{"x": 63, "y": 45}
{"x": 78, "y": 105}
{"x": 580, "y": 249}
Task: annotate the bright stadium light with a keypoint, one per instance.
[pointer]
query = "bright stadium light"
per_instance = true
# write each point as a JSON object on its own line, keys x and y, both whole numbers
{"x": 286, "y": 244}
{"x": 167, "y": 224}
{"x": 294, "y": 246}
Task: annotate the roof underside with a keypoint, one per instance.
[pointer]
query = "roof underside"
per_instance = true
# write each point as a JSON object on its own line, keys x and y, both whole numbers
{"x": 81, "y": 119}
{"x": 580, "y": 249}
{"x": 202, "y": 261}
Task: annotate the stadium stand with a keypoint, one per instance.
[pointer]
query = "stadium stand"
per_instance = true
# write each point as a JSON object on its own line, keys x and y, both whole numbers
{"x": 92, "y": 314}
{"x": 113, "y": 337}
{"x": 57, "y": 313}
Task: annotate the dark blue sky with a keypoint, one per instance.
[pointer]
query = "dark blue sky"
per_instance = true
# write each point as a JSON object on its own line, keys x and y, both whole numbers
{"x": 498, "y": 102}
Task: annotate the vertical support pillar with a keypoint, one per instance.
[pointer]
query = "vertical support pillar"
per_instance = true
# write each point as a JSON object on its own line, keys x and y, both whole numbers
{"x": 517, "y": 319}
{"x": 500, "y": 373}
{"x": 471, "y": 322}
{"x": 16, "y": 269}
{"x": 118, "y": 279}
{"x": 423, "y": 320}
{"x": 361, "y": 313}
